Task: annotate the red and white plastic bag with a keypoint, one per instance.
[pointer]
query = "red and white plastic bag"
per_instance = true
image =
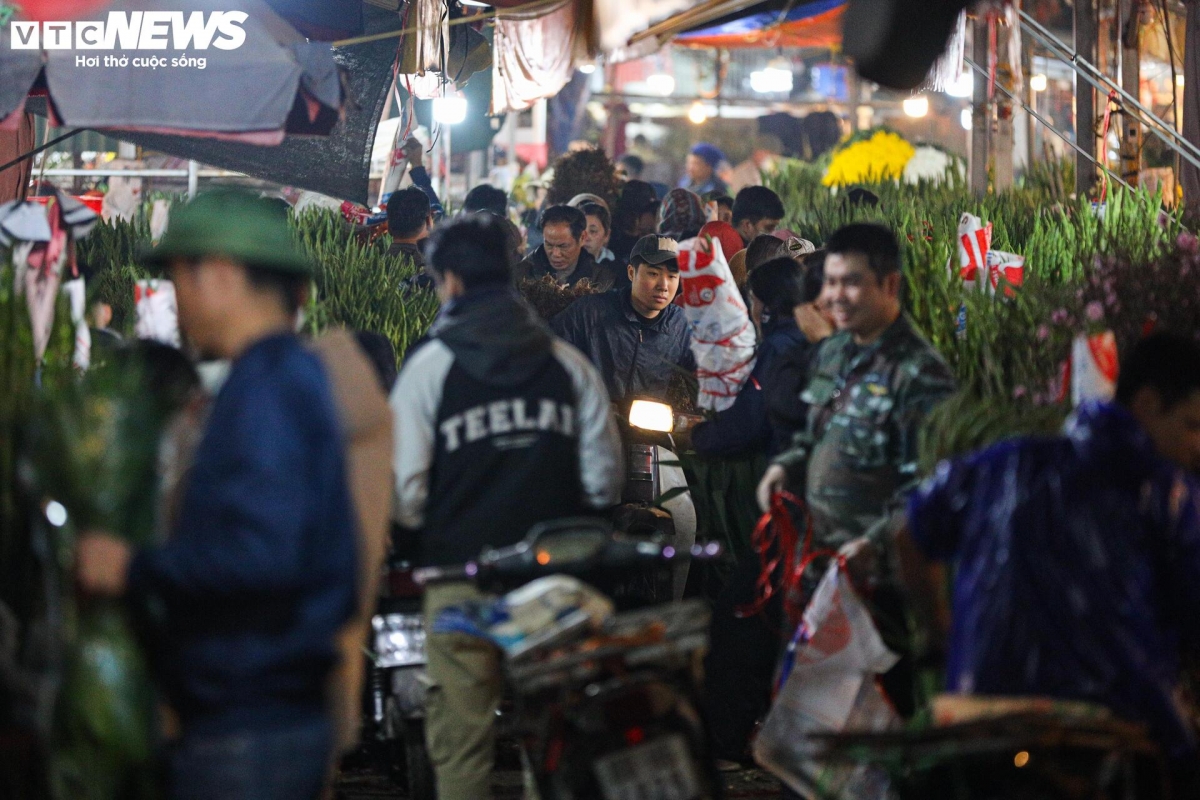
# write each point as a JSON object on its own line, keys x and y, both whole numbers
{"x": 830, "y": 688}
{"x": 979, "y": 265}
{"x": 1094, "y": 367}
{"x": 157, "y": 314}
{"x": 723, "y": 339}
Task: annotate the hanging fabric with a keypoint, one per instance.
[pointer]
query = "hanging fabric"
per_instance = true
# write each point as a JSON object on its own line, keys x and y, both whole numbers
{"x": 535, "y": 56}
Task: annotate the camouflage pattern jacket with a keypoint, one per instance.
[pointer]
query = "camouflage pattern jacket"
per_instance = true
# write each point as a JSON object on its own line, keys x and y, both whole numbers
{"x": 858, "y": 455}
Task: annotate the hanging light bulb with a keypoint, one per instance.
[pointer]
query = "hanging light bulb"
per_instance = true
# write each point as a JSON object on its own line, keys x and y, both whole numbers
{"x": 661, "y": 83}
{"x": 964, "y": 119}
{"x": 449, "y": 110}
{"x": 1038, "y": 83}
{"x": 776, "y": 77}
{"x": 917, "y": 106}
{"x": 697, "y": 114}
{"x": 962, "y": 86}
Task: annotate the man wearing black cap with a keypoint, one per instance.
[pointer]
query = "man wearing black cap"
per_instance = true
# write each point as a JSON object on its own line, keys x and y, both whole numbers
{"x": 636, "y": 215}
{"x": 635, "y": 336}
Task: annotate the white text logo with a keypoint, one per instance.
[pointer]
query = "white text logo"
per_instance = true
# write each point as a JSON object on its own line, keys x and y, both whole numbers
{"x": 137, "y": 30}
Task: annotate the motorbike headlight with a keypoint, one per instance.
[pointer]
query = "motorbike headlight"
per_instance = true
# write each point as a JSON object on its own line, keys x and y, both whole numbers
{"x": 399, "y": 640}
{"x": 651, "y": 416}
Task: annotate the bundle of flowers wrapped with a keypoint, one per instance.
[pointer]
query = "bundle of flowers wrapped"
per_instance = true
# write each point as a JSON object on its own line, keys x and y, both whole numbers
{"x": 881, "y": 157}
{"x": 932, "y": 164}
{"x": 549, "y": 299}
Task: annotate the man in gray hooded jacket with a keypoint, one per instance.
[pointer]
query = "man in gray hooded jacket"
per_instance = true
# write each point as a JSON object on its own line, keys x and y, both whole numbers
{"x": 499, "y": 426}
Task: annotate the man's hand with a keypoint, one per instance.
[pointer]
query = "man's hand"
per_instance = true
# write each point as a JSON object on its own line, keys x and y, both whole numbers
{"x": 862, "y": 560}
{"x": 102, "y": 564}
{"x": 414, "y": 151}
{"x": 812, "y": 324}
{"x": 773, "y": 482}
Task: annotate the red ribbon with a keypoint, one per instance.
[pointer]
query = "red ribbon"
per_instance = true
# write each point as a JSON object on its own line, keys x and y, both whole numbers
{"x": 774, "y": 531}
{"x": 1108, "y": 109}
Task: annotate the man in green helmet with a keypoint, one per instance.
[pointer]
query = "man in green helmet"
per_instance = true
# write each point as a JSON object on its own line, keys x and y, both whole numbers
{"x": 258, "y": 573}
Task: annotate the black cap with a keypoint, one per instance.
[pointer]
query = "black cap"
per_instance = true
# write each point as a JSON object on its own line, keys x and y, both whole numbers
{"x": 639, "y": 197}
{"x": 655, "y": 249}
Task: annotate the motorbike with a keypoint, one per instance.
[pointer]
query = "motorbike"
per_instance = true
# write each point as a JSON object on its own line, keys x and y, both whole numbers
{"x": 654, "y": 500}
{"x": 394, "y": 713}
{"x": 610, "y": 712}
{"x": 396, "y": 684}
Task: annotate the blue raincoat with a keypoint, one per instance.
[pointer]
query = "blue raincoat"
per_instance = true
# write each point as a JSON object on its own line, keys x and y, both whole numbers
{"x": 1078, "y": 569}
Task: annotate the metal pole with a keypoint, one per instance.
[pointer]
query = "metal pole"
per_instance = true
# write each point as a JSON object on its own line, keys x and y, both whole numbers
{"x": 1131, "y": 132}
{"x": 981, "y": 112}
{"x": 193, "y": 176}
{"x": 447, "y": 153}
{"x": 1085, "y": 99}
{"x": 1049, "y": 125}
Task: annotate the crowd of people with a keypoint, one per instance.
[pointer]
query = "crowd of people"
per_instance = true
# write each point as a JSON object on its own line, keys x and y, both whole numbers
{"x": 1076, "y": 557}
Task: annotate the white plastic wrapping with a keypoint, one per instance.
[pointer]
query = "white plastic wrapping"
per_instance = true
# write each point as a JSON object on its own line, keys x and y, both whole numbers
{"x": 723, "y": 339}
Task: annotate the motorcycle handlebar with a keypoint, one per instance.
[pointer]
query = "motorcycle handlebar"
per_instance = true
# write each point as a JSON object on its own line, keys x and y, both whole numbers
{"x": 429, "y": 576}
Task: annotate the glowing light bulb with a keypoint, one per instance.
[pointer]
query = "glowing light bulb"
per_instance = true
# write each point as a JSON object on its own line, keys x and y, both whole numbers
{"x": 697, "y": 114}
{"x": 917, "y": 106}
{"x": 661, "y": 83}
{"x": 1038, "y": 83}
{"x": 449, "y": 110}
{"x": 963, "y": 86}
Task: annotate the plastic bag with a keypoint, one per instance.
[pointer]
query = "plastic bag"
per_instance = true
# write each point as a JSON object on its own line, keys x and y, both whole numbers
{"x": 157, "y": 314}
{"x": 723, "y": 339}
{"x": 1094, "y": 367}
{"x": 828, "y": 687}
{"x": 981, "y": 267}
{"x": 538, "y": 613}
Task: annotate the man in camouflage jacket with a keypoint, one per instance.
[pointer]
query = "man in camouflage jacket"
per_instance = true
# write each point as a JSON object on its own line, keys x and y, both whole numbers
{"x": 870, "y": 387}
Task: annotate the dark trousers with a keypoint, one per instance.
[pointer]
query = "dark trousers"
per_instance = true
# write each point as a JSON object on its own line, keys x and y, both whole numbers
{"x": 285, "y": 763}
{"x": 741, "y": 662}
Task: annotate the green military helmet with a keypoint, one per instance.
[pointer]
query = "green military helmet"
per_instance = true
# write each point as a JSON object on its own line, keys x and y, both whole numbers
{"x": 233, "y": 223}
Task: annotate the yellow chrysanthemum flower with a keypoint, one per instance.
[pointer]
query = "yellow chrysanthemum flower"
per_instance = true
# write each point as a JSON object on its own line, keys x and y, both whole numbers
{"x": 882, "y": 157}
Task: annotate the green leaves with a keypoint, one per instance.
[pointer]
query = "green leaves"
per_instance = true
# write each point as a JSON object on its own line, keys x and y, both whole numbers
{"x": 360, "y": 286}
{"x": 1009, "y": 350}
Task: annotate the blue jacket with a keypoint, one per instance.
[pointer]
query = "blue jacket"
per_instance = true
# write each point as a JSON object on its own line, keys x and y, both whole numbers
{"x": 635, "y": 356}
{"x": 745, "y": 427}
{"x": 259, "y": 572}
{"x": 1078, "y": 569}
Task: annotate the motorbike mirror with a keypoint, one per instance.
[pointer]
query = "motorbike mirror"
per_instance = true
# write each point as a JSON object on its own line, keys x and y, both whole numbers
{"x": 651, "y": 416}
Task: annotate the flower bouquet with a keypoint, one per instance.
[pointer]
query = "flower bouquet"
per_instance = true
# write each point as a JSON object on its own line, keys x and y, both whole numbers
{"x": 93, "y": 451}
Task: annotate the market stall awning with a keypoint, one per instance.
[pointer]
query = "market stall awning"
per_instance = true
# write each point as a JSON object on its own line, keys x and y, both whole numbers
{"x": 338, "y": 165}
{"x": 815, "y": 24}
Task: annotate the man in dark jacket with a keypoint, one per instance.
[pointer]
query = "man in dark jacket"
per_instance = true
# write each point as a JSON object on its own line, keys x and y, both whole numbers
{"x": 259, "y": 572}
{"x": 410, "y": 219}
{"x": 1077, "y": 557}
{"x": 561, "y": 254}
{"x": 636, "y": 337}
{"x": 745, "y": 427}
{"x": 635, "y": 216}
{"x": 500, "y": 426}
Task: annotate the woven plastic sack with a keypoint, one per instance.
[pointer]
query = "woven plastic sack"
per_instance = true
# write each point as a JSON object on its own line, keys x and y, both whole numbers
{"x": 829, "y": 687}
{"x": 723, "y": 338}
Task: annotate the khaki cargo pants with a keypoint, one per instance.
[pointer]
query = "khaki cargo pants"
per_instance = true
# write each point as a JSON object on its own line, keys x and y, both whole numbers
{"x": 465, "y": 689}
